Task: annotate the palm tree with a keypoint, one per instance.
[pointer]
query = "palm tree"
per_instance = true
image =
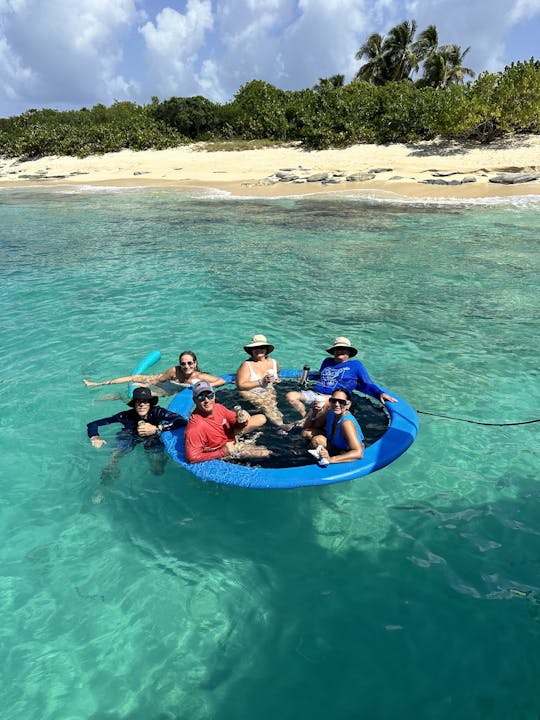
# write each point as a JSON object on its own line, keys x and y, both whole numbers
{"x": 334, "y": 81}
{"x": 397, "y": 55}
{"x": 427, "y": 43}
{"x": 445, "y": 67}
{"x": 375, "y": 70}
{"x": 399, "y": 49}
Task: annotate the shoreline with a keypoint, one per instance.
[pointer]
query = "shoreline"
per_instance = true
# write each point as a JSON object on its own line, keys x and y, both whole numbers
{"x": 428, "y": 170}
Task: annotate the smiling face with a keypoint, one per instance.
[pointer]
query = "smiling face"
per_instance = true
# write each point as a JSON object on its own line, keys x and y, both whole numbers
{"x": 204, "y": 402}
{"x": 141, "y": 408}
{"x": 341, "y": 354}
{"x": 188, "y": 364}
{"x": 339, "y": 402}
{"x": 259, "y": 353}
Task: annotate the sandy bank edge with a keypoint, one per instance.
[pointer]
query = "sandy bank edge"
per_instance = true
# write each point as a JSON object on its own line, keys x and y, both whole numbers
{"x": 398, "y": 170}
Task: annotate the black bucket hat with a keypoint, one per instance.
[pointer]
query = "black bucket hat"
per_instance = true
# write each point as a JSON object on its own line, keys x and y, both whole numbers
{"x": 142, "y": 394}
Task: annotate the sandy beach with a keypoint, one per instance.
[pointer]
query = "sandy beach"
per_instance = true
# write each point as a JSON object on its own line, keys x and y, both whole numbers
{"x": 433, "y": 169}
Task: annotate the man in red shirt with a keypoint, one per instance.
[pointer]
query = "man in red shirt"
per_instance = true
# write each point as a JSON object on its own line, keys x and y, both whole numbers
{"x": 211, "y": 430}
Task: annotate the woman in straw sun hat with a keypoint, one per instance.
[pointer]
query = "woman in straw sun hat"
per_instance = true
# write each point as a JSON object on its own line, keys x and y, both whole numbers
{"x": 256, "y": 377}
{"x": 337, "y": 371}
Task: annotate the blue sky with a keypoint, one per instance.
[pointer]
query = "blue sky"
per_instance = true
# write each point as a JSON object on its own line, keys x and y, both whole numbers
{"x": 73, "y": 53}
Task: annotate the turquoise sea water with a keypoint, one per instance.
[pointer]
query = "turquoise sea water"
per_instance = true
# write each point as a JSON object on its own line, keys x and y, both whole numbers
{"x": 411, "y": 593}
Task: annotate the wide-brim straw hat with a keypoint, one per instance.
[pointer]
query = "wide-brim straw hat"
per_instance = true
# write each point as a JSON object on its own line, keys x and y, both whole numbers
{"x": 259, "y": 341}
{"x": 344, "y": 343}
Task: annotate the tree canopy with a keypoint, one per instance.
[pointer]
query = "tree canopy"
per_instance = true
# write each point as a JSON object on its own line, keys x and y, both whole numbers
{"x": 400, "y": 54}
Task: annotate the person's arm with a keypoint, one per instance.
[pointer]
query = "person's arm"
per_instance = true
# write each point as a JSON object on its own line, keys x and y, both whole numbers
{"x": 356, "y": 448}
{"x": 366, "y": 385}
{"x": 232, "y": 418}
{"x": 169, "y": 420}
{"x": 92, "y": 428}
{"x": 243, "y": 381}
{"x": 169, "y": 374}
{"x": 121, "y": 380}
{"x": 212, "y": 379}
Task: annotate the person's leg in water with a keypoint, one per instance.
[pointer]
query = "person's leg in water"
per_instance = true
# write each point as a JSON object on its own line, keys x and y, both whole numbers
{"x": 156, "y": 457}
{"x": 266, "y": 403}
{"x": 296, "y": 399}
{"x": 244, "y": 447}
{"x": 125, "y": 442}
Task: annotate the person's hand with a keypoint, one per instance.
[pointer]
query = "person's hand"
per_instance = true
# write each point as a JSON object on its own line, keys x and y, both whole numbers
{"x": 242, "y": 416}
{"x": 97, "y": 442}
{"x": 230, "y": 447}
{"x": 385, "y": 397}
{"x": 146, "y": 429}
{"x": 323, "y": 452}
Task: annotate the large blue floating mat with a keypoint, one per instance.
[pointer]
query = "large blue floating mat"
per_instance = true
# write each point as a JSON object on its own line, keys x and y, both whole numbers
{"x": 399, "y": 433}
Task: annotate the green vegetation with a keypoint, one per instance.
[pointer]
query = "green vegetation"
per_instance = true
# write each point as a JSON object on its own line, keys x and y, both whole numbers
{"x": 383, "y": 103}
{"x": 398, "y": 55}
{"x": 85, "y": 132}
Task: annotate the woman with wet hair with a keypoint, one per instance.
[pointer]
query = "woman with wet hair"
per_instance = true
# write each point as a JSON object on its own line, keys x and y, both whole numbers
{"x": 186, "y": 373}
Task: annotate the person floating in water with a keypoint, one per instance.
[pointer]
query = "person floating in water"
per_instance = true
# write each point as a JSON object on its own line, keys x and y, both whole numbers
{"x": 342, "y": 440}
{"x": 143, "y": 425}
{"x": 185, "y": 373}
{"x": 256, "y": 377}
{"x": 338, "y": 371}
{"x": 212, "y": 429}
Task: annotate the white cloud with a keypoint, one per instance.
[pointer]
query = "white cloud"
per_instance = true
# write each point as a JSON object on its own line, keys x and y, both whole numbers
{"x": 65, "y": 52}
{"x": 524, "y": 9}
{"x": 68, "y": 53}
{"x": 13, "y": 75}
{"x": 173, "y": 44}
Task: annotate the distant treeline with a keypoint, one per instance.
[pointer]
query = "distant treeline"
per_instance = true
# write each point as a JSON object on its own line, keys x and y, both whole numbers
{"x": 331, "y": 114}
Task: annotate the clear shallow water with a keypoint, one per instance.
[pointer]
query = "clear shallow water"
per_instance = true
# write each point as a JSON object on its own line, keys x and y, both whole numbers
{"x": 414, "y": 592}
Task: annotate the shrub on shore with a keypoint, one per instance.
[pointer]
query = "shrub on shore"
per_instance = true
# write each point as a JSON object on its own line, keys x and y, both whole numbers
{"x": 330, "y": 114}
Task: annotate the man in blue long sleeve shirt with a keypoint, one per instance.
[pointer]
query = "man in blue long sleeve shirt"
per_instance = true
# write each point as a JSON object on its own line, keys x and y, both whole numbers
{"x": 143, "y": 425}
{"x": 337, "y": 371}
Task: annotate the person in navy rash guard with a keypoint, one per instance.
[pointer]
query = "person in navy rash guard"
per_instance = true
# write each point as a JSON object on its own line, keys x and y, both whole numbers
{"x": 337, "y": 371}
{"x": 143, "y": 425}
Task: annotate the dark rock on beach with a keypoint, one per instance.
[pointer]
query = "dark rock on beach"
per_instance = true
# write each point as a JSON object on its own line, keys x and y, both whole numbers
{"x": 360, "y": 177}
{"x": 513, "y": 178}
{"x": 440, "y": 181}
{"x": 318, "y": 177}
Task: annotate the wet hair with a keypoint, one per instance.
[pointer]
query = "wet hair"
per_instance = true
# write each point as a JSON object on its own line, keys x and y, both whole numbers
{"x": 192, "y": 355}
{"x": 343, "y": 390}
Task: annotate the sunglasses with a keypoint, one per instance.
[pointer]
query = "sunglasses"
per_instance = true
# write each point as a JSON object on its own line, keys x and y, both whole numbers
{"x": 142, "y": 402}
{"x": 205, "y": 396}
{"x": 338, "y": 401}
{"x": 187, "y": 363}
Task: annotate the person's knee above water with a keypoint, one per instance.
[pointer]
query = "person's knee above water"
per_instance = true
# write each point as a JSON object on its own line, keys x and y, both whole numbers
{"x": 256, "y": 377}
{"x": 343, "y": 440}
{"x": 142, "y": 424}
{"x": 338, "y": 371}
{"x": 212, "y": 429}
